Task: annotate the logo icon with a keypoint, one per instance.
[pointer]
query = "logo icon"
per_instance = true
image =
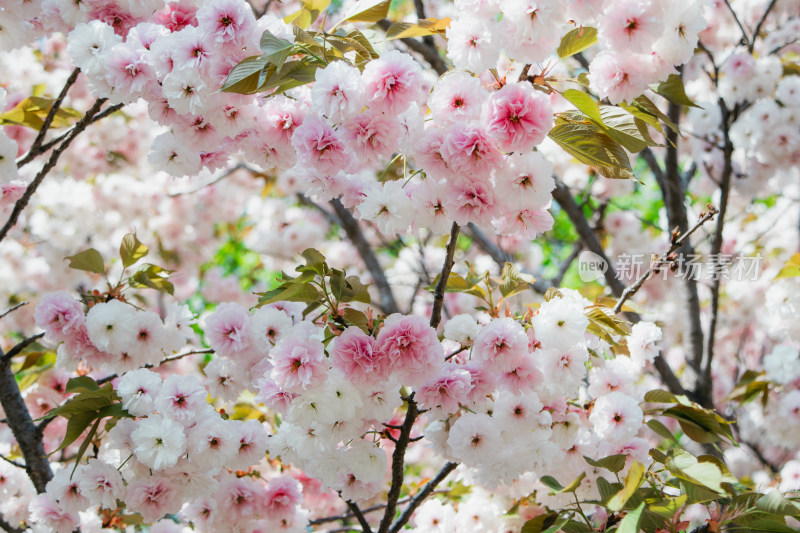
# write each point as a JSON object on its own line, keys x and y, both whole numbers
{"x": 591, "y": 266}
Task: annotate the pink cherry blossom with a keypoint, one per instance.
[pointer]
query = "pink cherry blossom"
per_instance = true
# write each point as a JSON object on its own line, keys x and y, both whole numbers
{"x": 517, "y": 117}
{"x": 298, "y": 363}
{"x": 392, "y": 82}
{"x": 412, "y": 346}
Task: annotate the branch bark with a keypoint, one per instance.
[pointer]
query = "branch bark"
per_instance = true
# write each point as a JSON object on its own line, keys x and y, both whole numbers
{"x": 36, "y": 147}
{"x": 564, "y": 198}
{"x": 356, "y": 236}
{"x": 674, "y": 194}
{"x": 5, "y": 526}
{"x": 359, "y": 516}
{"x": 28, "y": 436}
{"x": 426, "y": 491}
{"x": 398, "y": 465}
{"x": 429, "y": 53}
{"x": 438, "y": 294}
{"x": 81, "y": 125}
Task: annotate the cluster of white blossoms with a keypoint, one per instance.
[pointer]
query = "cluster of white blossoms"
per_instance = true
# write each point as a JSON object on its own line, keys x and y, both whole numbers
{"x": 513, "y": 400}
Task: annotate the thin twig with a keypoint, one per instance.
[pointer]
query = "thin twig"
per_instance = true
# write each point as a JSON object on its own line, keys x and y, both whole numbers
{"x": 305, "y": 200}
{"x": 760, "y": 23}
{"x": 745, "y": 38}
{"x": 662, "y": 259}
{"x": 426, "y": 491}
{"x": 36, "y": 147}
{"x": 163, "y": 362}
{"x": 12, "y": 309}
{"x": 81, "y": 125}
{"x": 12, "y": 462}
{"x": 438, "y": 294}
{"x": 359, "y": 516}
{"x": 16, "y": 350}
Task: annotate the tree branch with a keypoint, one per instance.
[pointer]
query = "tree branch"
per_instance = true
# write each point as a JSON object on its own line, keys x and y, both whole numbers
{"x": 590, "y": 241}
{"x": 25, "y": 431}
{"x": 674, "y": 194}
{"x": 398, "y": 465}
{"x": 704, "y": 384}
{"x": 426, "y": 491}
{"x": 36, "y": 147}
{"x": 81, "y": 125}
{"x": 563, "y": 196}
{"x": 438, "y": 294}
{"x": 16, "y": 350}
{"x": 356, "y": 236}
{"x": 663, "y": 258}
{"x": 760, "y": 23}
{"x": 429, "y": 53}
{"x": 359, "y": 516}
{"x": 12, "y": 309}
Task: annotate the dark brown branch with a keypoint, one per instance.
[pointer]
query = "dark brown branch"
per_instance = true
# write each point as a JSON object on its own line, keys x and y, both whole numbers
{"x": 650, "y": 158}
{"x": 17, "y": 349}
{"x": 356, "y": 236}
{"x": 745, "y": 38}
{"x": 704, "y": 384}
{"x": 438, "y": 294}
{"x": 674, "y": 195}
{"x": 12, "y": 309}
{"x": 426, "y": 491}
{"x": 563, "y": 196}
{"x": 663, "y": 259}
{"x": 330, "y": 217}
{"x": 760, "y": 23}
{"x": 25, "y": 431}
{"x": 36, "y": 147}
{"x": 429, "y": 53}
{"x": 359, "y": 516}
{"x": 81, "y": 125}
{"x": 398, "y": 465}
{"x": 590, "y": 241}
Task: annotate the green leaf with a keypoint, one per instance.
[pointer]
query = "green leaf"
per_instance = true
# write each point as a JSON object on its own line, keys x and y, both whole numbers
{"x": 154, "y": 277}
{"x": 685, "y": 466}
{"x": 607, "y": 490}
{"x": 88, "y": 260}
{"x": 356, "y": 318}
{"x": 630, "y": 523}
{"x": 276, "y": 49}
{"x": 672, "y": 89}
{"x": 81, "y": 384}
{"x": 628, "y": 130}
{"x": 584, "y": 103}
{"x": 337, "y": 283}
{"x": 648, "y": 108}
{"x": 588, "y": 145}
{"x": 773, "y": 503}
{"x": 429, "y": 26}
{"x": 661, "y": 430}
{"x": 291, "y": 292}
{"x": 576, "y": 41}
{"x": 131, "y": 250}
{"x": 668, "y": 508}
{"x": 271, "y": 44}
{"x": 315, "y": 262}
{"x": 613, "y": 463}
{"x": 551, "y": 483}
{"x": 355, "y": 291}
{"x": 85, "y": 445}
{"x": 75, "y": 427}
{"x": 632, "y": 482}
{"x": 244, "y": 77}
{"x": 539, "y": 523}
